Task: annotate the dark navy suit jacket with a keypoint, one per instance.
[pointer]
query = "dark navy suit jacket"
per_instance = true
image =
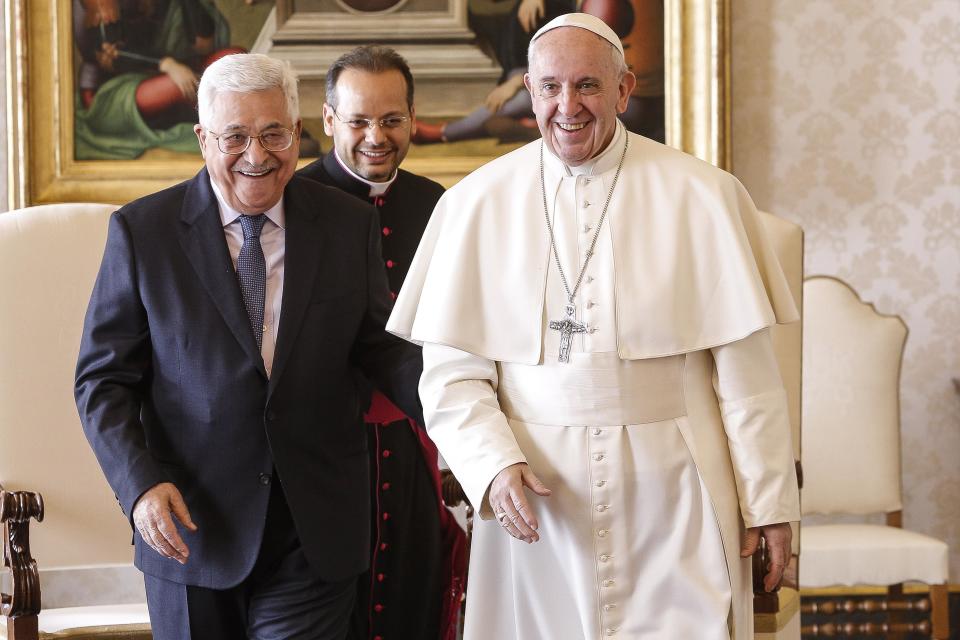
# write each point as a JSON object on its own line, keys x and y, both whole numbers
{"x": 171, "y": 386}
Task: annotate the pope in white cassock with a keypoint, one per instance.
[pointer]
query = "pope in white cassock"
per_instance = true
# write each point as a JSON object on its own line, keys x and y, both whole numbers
{"x": 594, "y": 310}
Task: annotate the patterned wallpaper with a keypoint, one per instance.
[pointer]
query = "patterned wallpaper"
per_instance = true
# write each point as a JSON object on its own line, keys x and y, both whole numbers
{"x": 846, "y": 120}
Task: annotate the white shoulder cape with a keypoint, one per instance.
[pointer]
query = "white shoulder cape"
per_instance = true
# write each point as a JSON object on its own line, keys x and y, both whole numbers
{"x": 694, "y": 268}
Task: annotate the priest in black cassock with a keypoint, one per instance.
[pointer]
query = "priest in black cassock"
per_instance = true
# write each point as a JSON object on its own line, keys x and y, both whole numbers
{"x": 418, "y": 551}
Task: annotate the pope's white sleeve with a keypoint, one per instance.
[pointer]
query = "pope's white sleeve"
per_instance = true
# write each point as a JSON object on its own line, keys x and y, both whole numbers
{"x": 458, "y": 391}
{"x": 753, "y": 404}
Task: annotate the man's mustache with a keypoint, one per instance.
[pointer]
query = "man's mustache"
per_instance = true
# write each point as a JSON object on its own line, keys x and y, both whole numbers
{"x": 247, "y": 167}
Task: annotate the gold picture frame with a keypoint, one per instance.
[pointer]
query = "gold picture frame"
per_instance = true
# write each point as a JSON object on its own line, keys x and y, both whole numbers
{"x": 40, "y": 107}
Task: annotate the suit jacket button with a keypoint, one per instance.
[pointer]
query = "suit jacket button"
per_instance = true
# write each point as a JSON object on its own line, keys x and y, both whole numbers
{"x": 264, "y": 479}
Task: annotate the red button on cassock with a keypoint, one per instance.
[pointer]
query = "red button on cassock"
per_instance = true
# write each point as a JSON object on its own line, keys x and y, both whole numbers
{"x": 386, "y": 516}
{"x": 390, "y": 264}
{"x": 378, "y": 608}
{"x": 380, "y": 577}
{"x": 383, "y": 546}
{"x": 387, "y": 231}
{"x": 393, "y": 295}
{"x": 386, "y": 453}
{"x": 385, "y": 486}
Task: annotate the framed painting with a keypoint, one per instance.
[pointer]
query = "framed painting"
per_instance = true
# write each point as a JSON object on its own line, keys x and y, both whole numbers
{"x": 82, "y": 128}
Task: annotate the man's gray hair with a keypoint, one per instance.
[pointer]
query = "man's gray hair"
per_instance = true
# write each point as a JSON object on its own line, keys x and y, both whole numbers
{"x": 246, "y": 73}
{"x": 619, "y": 64}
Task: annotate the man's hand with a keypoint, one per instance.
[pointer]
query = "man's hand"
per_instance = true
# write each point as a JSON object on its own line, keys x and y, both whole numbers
{"x": 778, "y": 538}
{"x": 151, "y": 516}
{"x": 106, "y": 55}
{"x": 499, "y": 95}
{"x": 182, "y": 76}
{"x": 509, "y": 502}
{"x": 529, "y": 12}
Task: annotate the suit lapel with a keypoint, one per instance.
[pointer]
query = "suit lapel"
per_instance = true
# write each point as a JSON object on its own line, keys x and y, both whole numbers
{"x": 201, "y": 236}
{"x": 304, "y": 239}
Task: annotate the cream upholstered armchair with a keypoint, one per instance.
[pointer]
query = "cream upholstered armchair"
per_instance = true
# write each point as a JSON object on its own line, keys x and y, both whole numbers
{"x": 49, "y": 256}
{"x": 851, "y": 459}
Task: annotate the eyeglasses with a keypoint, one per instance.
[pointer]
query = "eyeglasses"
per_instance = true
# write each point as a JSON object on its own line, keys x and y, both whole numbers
{"x": 234, "y": 144}
{"x": 390, "y": 122}
{"x": 550, "y": 89}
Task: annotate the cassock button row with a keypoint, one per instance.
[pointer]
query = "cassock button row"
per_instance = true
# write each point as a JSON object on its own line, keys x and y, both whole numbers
{"x": 378, "y": 607}
{"x": 386, "y": 516}
{"x": 380, "y": 577}
{"x": 385, "y": 486}
{"x": 390, "y": 264}
{"x": 386, "y": 453}
{"x": 387, "y": 231}
{"x": 383, "y": 546}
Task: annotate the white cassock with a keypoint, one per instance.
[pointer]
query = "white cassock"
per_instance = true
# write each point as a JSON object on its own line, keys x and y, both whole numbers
{"x": 665, "y": 434}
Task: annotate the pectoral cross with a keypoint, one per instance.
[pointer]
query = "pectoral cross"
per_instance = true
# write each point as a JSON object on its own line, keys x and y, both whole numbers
{"x": 567, "y": 327}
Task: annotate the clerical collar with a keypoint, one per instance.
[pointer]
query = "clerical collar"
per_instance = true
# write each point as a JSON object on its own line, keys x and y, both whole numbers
{"x": 606, "y": 160}
{"x": 228, "y": 214}
{"x": 376, "y": 188}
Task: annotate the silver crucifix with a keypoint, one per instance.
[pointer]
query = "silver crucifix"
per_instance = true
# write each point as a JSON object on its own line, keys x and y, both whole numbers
{"x": 567, "y": 327}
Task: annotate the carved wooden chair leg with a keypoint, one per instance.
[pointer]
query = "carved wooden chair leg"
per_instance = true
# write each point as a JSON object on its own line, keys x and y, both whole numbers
{"x": 21, "y": 607}
{"x": 940, "y": 611}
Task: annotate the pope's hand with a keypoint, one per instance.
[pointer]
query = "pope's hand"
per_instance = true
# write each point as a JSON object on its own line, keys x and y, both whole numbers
{"x": 510, "y": 504}
{"x": 777, "y": 537}
{"x": 151, "y": 516}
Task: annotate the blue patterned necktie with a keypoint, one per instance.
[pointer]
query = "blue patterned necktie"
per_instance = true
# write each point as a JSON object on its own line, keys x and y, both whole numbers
{"x": 252, "y": 272}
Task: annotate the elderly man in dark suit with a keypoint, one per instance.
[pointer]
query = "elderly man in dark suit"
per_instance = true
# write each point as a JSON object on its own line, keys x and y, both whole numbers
{"x": 215, "y": 380}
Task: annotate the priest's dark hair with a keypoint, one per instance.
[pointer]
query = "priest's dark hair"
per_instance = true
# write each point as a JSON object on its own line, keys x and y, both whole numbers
{"x": 372, "y": 59}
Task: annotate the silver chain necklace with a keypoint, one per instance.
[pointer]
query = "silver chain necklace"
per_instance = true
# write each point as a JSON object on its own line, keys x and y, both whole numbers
{"x": 569, "y": 325}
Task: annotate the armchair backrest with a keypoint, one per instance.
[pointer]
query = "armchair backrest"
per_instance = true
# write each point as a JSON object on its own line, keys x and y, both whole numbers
{"x": 49, "y": 256}
{"x": 787, "y": 241}
{"x": 851, "y": 402}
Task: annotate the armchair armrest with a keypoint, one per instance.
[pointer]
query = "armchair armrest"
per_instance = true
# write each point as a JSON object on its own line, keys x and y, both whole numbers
{"x": 22, "y": 606}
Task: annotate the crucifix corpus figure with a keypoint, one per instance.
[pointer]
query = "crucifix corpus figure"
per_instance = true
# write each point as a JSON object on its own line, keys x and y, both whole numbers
{"x": 567, "y": 327}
